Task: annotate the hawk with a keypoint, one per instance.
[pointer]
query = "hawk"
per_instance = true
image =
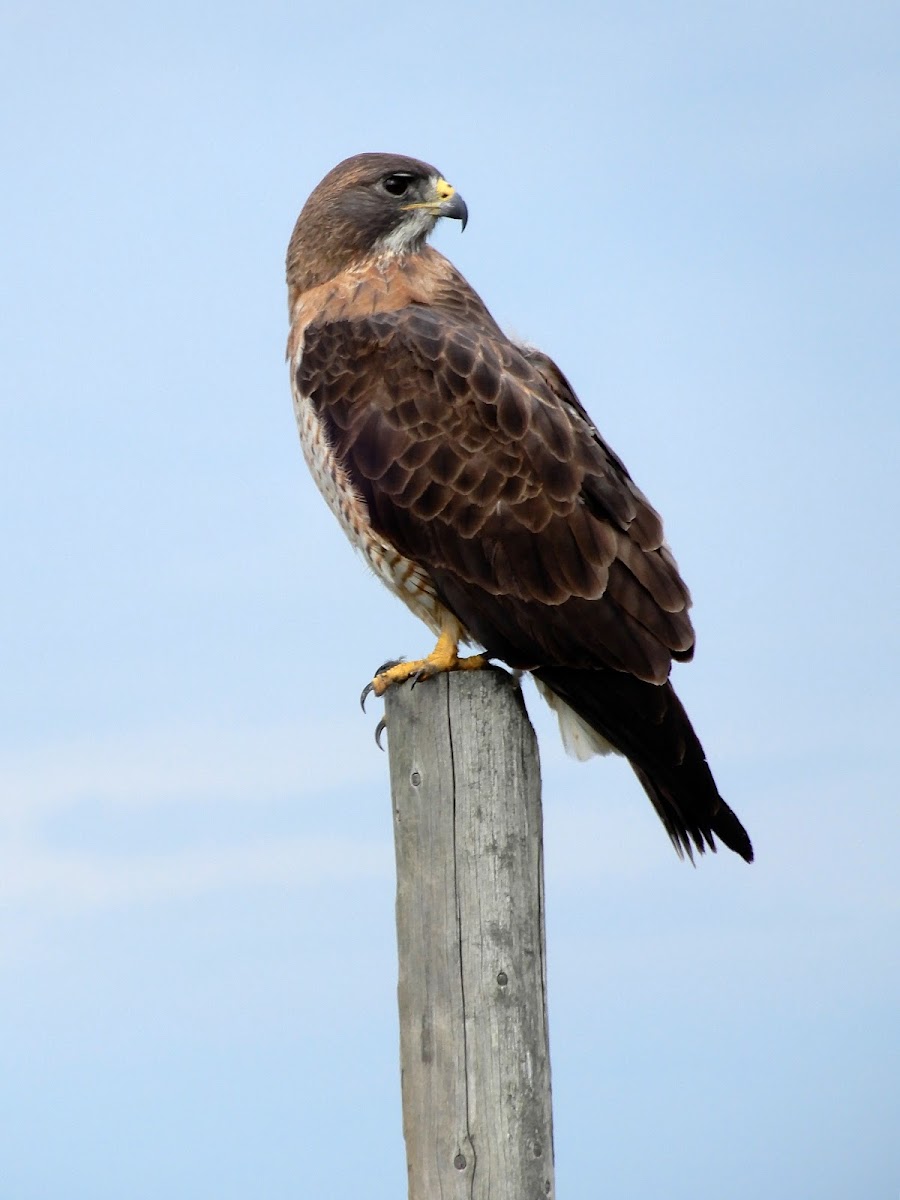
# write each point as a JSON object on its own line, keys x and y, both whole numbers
{"x": 472, "y": 479}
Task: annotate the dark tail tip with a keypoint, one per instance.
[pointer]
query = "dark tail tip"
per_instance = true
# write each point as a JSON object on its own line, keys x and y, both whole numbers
{"x": 731, "y": 832}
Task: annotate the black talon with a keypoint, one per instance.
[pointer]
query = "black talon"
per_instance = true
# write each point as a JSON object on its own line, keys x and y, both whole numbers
{"x": 422, "y": 673}
{"x": 385, "y": 666}
{"x": 379, "y": 730}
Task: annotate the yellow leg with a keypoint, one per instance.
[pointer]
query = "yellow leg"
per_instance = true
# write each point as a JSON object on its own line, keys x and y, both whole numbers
{"x": 444, "y": 657}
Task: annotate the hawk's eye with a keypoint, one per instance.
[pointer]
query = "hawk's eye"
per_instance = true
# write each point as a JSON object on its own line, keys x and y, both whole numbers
{"x": 397, "y": 184}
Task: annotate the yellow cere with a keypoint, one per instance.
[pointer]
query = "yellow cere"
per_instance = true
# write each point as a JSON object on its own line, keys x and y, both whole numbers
{"x": 443, "y": 190}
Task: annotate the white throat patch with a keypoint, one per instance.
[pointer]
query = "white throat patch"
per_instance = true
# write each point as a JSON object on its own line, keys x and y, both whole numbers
{"x": 411, "y": 233}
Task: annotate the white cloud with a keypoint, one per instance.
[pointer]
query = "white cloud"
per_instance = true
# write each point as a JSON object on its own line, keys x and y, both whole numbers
{"x": 182, "y": 764}
{"x": 56, "y": 879}
{"x": 184, "y": 767}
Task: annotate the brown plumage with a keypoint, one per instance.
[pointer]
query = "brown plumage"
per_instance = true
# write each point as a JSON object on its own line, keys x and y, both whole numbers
{"x": 475, "y": 483}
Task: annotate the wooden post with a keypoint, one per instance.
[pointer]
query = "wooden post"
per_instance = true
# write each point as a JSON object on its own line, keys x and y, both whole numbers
{"x": 472, "y": 991}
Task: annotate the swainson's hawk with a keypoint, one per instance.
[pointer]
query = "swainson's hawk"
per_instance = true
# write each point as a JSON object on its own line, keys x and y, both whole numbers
{"x": 478, "y": 488}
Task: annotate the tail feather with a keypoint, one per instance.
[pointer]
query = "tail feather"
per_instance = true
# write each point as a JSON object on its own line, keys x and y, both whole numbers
{"x": 647, "y": 723}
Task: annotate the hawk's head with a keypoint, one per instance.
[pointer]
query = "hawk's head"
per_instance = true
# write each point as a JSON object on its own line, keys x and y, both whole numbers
{"x": 367, "y": 205}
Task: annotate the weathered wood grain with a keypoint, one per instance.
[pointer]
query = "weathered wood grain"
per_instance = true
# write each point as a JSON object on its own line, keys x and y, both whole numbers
{"x": 465, "y": 782}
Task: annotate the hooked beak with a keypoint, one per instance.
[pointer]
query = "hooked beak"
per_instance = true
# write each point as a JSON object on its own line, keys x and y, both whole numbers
{"x": 447, "y": 202}
{"x": 455, "y": 208}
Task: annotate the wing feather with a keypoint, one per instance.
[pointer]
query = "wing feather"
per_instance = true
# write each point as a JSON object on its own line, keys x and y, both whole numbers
{"x": 476, "y": 460}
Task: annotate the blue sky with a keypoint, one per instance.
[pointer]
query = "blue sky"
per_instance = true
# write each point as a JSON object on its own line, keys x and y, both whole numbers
{"x": 694, "y": 209}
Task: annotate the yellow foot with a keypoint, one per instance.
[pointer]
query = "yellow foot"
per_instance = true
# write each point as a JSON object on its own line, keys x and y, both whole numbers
{"x": 444, "y": 657}
{"x": 425, "y": 668}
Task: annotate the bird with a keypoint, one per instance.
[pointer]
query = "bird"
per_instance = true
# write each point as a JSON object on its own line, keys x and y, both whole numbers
{"x": 476, "y": 485}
